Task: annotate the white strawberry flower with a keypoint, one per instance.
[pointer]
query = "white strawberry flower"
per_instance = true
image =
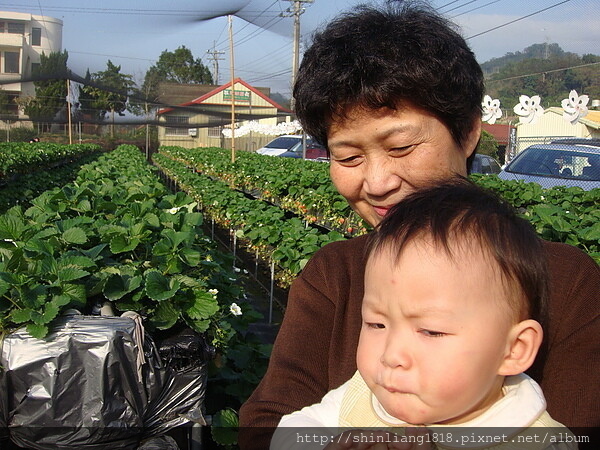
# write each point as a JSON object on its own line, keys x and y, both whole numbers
{"x": 575, "y": 107}
{"x": 213, "y": 291}
{"x": 235, "y": 309}
{"x": 491, "y": 109}
{"x": 529, "y": 109}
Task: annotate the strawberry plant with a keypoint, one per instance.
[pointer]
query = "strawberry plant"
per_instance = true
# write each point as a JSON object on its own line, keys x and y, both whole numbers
{"x": 114, "y": 234}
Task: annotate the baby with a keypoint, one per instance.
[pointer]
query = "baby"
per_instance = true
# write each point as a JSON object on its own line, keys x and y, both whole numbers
{"x": 455, "y": 292}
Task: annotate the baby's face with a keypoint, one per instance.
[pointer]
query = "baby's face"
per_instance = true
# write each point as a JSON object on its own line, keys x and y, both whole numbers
{"x": 434, "y": 334}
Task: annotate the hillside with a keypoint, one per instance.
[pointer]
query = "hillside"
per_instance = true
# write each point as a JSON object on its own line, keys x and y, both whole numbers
{"x": 541, "y": 69}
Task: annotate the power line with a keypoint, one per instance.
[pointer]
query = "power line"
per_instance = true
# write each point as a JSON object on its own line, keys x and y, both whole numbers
{"x": 542, "y": 73}
{"x": 520, "y": 18}
{"x": 476, "y": 8}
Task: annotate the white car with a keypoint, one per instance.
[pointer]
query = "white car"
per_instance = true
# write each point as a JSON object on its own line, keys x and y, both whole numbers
{"x": 282, "y": 144}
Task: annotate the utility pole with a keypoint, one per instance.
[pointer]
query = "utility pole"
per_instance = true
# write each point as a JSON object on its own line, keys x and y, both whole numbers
{"x": 296, "y": 11}
{"x": 215, "y": 58}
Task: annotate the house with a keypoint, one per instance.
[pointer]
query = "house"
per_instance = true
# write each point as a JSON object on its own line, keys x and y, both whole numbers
{"x": 23, "y": 38}
{"x": 200, "y": 122}
{"x": 551, "y": 125}
{"x": 503, "y": 134}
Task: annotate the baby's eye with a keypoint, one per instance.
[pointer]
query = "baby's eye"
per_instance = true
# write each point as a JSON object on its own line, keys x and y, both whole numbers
{"x": 376, "y": 326}
{"x": 432, "y": 333}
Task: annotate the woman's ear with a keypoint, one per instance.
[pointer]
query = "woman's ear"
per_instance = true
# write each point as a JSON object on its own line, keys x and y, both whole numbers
{"x": 470, "y": 144}
{"x": 523, "y": 343}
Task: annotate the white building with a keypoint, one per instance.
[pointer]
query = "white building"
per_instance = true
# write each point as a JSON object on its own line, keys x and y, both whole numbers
{"x": 23, "y": 38}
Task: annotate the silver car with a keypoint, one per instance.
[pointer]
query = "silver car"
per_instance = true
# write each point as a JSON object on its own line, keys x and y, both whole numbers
{"x": 552, "y": 165}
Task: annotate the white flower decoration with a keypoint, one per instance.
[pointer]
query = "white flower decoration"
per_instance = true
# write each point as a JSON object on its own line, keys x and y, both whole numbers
{"x": 213, "y": 291}
{"x": 529, "y": 109}
{"x": 575, "y": 107}
{"x": 235, "y": 309}
{"x": 491, "y": 110}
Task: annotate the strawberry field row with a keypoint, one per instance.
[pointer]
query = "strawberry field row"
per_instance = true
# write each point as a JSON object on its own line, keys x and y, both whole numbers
{"x": 266, "y": 229}
{"x": 20, "y": 157}
{"x": 300, "y": 186}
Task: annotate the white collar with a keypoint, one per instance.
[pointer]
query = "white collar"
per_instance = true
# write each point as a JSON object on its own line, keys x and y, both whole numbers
{"x": 521, "y": 404}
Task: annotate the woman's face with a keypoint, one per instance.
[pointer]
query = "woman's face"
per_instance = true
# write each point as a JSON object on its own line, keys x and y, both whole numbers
{"x": 380, "y": 156}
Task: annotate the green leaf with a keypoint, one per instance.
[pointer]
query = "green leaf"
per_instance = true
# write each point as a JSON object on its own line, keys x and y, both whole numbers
{"x": 75, "y": 292}
{"x": 4, "y": 287}
{"x": 165, "y": 316}
{"x": 33, "y": 297}
{"x": 199, "y": 326}
{"x": 21, "y": 315}
{"x": 191, "y": 257}
{"x": 80, "y": 262}
{"x": 205, "y": 305}
{"x": 225, "y": 427}
{"x": 590, "y": 233}
{"x": 75, "y": 235}
{"x": 42, "y": 247}
{"x": 50, "y": 312}
{"x": 94, "y": 252}
{"x": 159, "y": 287}
{"x": 194, "y": 219}
{"x": 122, "y": 243}
{"x": 11, "y": 227}
{"x": 37, "y": 331}
{"x": 117, "y": 286}
{"x": 71, "y": 274}
{"x": 152, "y": 220}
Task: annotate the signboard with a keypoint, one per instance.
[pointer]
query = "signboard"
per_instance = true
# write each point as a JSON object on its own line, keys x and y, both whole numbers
{"x": 511, "y": 149}
{"x": 240, "y": 96}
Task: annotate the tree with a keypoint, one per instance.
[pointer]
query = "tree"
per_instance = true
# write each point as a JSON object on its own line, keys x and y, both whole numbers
{"x": 109, "y": 91}
{"x": 178, "y": 66}
{"x": 50, "y": 88}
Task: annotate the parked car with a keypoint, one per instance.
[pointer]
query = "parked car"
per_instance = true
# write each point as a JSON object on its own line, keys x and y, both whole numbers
{"x": 290, "y": 146}
{"x": 485, "y": 164}
{"x": 552, "y": 165}
{"x": 577, "y": 141}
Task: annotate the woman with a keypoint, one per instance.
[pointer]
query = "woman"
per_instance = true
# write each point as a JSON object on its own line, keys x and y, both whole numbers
{"x": 395, "y": 94}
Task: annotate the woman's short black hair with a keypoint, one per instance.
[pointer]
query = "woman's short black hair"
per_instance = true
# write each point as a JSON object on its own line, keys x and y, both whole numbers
{"x": 457, "y": 212}
{"x": 374, "y": 57}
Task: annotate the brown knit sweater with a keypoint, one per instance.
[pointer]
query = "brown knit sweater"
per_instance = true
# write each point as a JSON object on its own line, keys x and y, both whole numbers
{"x": 315, "y": 349}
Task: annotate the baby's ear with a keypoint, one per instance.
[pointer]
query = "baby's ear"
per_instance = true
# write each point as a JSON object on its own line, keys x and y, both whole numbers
{"x": 523, "y": 343}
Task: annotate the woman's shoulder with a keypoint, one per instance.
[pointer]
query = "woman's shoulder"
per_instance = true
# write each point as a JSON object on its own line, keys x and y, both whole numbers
{"x": 567, "y": 258}
{"x": 336, "y": 262}
{"x": 349, "y": 247}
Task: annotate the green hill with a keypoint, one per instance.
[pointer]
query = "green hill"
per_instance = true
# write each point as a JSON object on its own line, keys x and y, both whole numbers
{"x": 541, "y": 69}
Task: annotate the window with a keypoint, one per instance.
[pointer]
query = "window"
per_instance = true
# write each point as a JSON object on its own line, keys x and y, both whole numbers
{"x": 36, "y": 36}
{"x": 177, "y": 120}
{"x": 2, "y": 26}
{"x": 11, "y": 62}
{"x": 34, "y": 67}
{"x": 16, "y": 27}
{"x": 215, "y": 132}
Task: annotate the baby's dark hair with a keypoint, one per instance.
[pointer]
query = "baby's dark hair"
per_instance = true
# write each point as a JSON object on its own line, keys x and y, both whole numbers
{"x": 458, "y": 212}
{"x": 401, "y": 53}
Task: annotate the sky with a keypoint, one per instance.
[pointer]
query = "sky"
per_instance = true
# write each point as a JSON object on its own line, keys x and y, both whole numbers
{"x": 133, "y": 33}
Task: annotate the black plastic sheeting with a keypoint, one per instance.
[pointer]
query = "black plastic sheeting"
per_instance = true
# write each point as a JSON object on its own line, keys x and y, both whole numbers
{"x": 98, "y": 382}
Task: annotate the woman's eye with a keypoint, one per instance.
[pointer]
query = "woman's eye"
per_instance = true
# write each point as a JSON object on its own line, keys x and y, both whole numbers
{"x": 350, "y": 160}
{"x": 401, "y": 151}
{"x": 432, "y": 333}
